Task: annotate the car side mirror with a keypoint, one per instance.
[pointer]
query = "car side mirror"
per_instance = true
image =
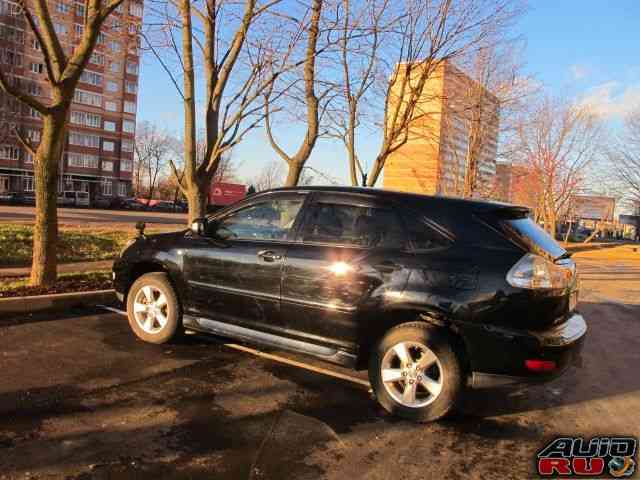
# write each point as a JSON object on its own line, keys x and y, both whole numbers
{"x": 199, "y": 226}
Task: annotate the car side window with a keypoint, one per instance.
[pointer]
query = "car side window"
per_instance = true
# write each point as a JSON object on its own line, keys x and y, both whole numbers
{"x": 354, "y": 225}
{"x": 425, "y": 237}
{"x": 270, "y": 220}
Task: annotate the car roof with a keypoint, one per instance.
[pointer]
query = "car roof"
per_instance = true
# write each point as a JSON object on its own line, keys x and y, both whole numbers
{"x": 435, "y": 200}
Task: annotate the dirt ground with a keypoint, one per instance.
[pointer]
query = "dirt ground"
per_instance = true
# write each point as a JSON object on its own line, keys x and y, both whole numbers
{"x": 80, "y": 398}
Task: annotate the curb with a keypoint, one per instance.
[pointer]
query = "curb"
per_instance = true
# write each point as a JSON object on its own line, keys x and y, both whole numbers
{"x": 58, "y": 301}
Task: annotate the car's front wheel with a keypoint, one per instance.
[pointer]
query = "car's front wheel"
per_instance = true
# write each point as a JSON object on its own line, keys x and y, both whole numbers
{"x": 415, "y": 373}
{"x": 153, "y": 308}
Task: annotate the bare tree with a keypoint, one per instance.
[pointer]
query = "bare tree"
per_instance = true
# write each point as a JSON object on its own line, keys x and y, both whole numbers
{"x": 557, "y": 140}
{"x": 271, "y": 176}
{"x": 390, "y": 53}
{"x": 310, "y": 100}
{"x": 625, "y": 157}
{"x": 492, "y": 91}
{"x": 153, "y": 151}
{"x": 63, "y": 73}
{"x": 214, "y": 38}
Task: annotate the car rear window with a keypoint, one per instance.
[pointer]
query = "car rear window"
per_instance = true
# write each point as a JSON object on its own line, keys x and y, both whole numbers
{"x": 533, "y": 236}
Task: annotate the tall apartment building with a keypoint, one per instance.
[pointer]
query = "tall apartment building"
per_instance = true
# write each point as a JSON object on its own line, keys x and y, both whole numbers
{"x": 454, "y": 116}
{"x": 98, "y": 157}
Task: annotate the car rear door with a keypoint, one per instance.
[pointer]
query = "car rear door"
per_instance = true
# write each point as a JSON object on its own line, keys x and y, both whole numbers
{"x": 237, "y": 280}
{"x": 349, "y": 259}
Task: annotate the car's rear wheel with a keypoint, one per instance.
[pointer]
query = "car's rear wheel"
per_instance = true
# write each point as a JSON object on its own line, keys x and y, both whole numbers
{"x": 153, "y": 308}
{"x": 415, "y": 373}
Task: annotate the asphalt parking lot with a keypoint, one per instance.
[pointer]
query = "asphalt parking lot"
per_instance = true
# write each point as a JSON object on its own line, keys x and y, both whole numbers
{"x": 80, "y": 398}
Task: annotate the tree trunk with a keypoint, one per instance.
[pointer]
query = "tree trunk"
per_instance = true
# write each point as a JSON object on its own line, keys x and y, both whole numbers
{"x": 293, "y": 176}
{"x": 197, "y": 199}
{"x": 45, "y": 233}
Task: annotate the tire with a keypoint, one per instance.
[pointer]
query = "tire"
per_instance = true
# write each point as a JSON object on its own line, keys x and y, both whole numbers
{"x": 432, "y": 362}
{"x": 162, "y": 322}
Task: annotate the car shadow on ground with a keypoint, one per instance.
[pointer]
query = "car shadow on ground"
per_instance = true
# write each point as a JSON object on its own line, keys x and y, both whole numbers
{"x": 230, "y": 414}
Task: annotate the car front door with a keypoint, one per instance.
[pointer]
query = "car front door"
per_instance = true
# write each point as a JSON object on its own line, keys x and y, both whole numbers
{"x": 234, "y": 270}
{"x": 350, "y": 258}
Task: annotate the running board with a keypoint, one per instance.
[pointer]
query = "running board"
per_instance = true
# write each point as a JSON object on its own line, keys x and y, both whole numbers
{"x": 327, "y": 354}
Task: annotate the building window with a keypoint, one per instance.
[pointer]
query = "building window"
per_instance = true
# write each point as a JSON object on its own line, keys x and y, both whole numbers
{"x": 120, "y": 8}
{"x": 123, "y": 189}
{"x": 129, "y": 107}
{"x": 80, "y": 9}
{"x": 34, "y": 89}
{"x": 108, "y": 146}
{"x": 135, "y": 9}
{"x": 86, "y": 118}
{"x": 127, "y": 146}
{"x": 11, "y": 34}
{"x": 128, "y": 126}
{"x": 60, "y": 28}
{"x": 28, "y": 158}
{"x": 62, "y": 7}
{"x": 11, "y": 58}
{"x": 84, "y": 140}
{"x": 115, "y": 46}
{"x": 91, "y": 78}
{"x": 82, "y": 160}
{"x": 78, "y": 29}
{"x": 133, "y": 28}
{"x": 109, "y": 126}
{"x": 87, "y": 98}
{"x": 132, "y": 68}
{"x": 131, "y": 87}
{"x": 33, "y": 113}
{"x": 9, "y": 152}
{"x": 97, "y": 58}
{"x": 33, "y": 135}
{"x": 28, "y": 185}
{"x": 37, "y": 67}
{"x": 101, "y": 38}
{"x": 35, "y": 44}
{"x": 111, "y": 106}
{"x": 112, "y": 86}
{"x": 107, "y": 188}
{"x": 114, "y": 67}
{"x": 107, "y": 166}
{"x": 116, "y": 26}
{"x": 126, "y": 165}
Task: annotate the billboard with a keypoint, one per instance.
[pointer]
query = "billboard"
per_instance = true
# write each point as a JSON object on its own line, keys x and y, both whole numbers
{"x": 592, "y": 207}
{"x": 633, "y": 220}
{"x": 222, "y": 193}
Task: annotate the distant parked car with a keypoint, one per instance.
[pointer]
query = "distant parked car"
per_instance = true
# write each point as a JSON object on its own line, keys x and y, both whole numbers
{"x": 102, "y": 202}
{"x": 166, "y": 206}
{"x": 74, "y": 199}
{"x": 133, "y": 204}
{"x": 11, "y": 198}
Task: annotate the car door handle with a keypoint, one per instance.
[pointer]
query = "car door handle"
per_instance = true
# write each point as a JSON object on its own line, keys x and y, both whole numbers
{"x": 269, "y": 255}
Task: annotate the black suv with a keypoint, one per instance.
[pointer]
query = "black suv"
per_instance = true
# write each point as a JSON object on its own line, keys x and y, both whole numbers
{"x": 431, "y": 294}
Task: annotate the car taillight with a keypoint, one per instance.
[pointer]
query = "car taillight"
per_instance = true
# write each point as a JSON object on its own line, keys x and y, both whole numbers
{"x": 540, "y": 365}
{"x": 533, "y": 271}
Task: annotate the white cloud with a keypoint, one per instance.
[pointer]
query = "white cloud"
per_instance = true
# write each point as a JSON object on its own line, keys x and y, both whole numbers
{"x": 579, "y": 72}
{"x": 611, "y": 100}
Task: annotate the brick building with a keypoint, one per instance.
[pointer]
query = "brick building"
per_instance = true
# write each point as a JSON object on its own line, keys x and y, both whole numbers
{"x": 451, "y": 109}
{"x": 98, "y": 157}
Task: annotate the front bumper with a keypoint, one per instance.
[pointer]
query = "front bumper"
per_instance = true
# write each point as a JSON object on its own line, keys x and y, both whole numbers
{"x": 498, "y": 355}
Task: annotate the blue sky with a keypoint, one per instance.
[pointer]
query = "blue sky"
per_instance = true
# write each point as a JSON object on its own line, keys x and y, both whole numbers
{"x": 584, "y": 49}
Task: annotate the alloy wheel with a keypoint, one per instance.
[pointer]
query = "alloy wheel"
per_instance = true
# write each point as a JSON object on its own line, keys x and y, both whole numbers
{"x": 412, "y": 374}
{"x": 150, "y": 309}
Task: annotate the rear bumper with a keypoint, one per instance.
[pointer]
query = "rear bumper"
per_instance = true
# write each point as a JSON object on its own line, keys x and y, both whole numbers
{"x": 506, "y": 351}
